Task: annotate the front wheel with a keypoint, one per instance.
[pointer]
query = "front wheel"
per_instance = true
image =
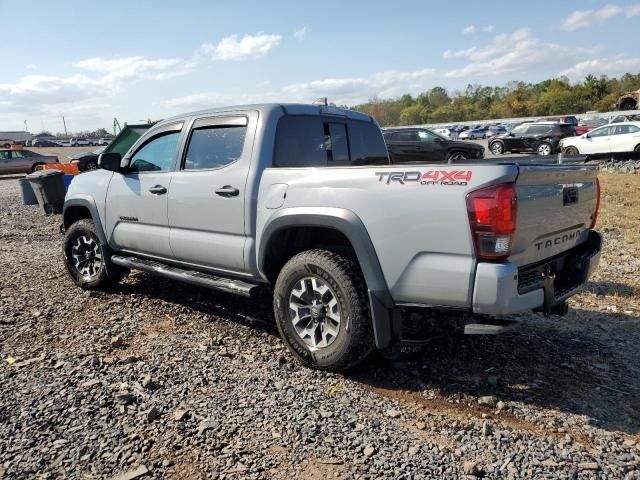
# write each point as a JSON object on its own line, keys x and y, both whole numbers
{"x": 571, "y": 151}
{"x": 544, "y": 149}
{"x": 497, "y": 148}
{"x": 91, "y": 165}
{"x": 87, "y": 260}
{"x": 322, "y": 311}
{"x": 637, "y": 149}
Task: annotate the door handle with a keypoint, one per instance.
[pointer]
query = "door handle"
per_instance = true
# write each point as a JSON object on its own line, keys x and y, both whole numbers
{"x": 158, "y": 190}
{"x": 228, "y": 191}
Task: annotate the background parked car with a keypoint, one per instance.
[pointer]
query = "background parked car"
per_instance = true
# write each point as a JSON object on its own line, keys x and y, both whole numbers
{"x": 23, "y": 161}
{"x": 603, "y": 141}
{"x": 542, "y": 138}
{"x": 80, "y": 142}
{"x": 473, "y": 134}
{"x": 87, "y": 160}
{"x": 45, "y": 143}
{"x": 103, "y": 142}
{"x": 420, "y": 145}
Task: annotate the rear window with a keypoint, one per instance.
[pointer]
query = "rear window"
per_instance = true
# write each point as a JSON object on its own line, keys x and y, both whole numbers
{"x": 317, "y": 141}
{"x": 538, "y": 129}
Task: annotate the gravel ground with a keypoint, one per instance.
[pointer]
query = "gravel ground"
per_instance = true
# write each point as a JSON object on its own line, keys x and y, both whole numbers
{"x": 166, "y": 380}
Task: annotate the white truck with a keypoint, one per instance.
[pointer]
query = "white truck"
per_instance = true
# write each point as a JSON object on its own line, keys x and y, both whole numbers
{"x": 302, "y": 200}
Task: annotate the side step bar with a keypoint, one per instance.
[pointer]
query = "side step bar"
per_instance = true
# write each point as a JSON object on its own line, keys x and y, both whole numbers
{"x": 237, "y": 287}
{"x": 490, "y": 327}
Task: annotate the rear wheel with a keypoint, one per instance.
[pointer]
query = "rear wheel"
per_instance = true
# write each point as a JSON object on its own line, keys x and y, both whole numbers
{"x": 497, "y": 148}
{"x": 36, "y": 166}
{"x": 322, "y": 310}
{"x": 637, "y": 149}
{"x": 457, "y": 156}
{"x": 544, "y": 149}
{"x": 571, "y": 151}
{"x": 472, "y": 137}
{"x": 87, "y": 260}
{"x": 91, "y": 165}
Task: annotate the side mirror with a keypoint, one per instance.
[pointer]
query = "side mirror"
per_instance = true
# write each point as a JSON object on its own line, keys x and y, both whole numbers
{"x": 586, "y": 135}
{"x": 110, "y": 161}
{"x": 511, "y": 134}
{"x": 438, "y": 140}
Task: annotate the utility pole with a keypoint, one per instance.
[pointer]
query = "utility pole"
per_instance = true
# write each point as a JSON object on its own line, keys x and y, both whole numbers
{"x": 66, "y": 135}
{"x": 26, "y": 128}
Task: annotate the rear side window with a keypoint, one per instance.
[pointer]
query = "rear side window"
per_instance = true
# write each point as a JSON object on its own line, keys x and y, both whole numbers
{"x": 538, "y": 129}
{"x": 406, "y": 137}
{"x": 214, "y": 147}
{"x": 316, "y": 141}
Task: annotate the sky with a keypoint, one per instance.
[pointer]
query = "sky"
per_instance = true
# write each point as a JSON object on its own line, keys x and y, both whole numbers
{"x": 136, "y": 60}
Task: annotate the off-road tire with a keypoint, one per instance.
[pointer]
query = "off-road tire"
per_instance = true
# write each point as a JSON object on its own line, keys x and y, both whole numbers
{"x": 108, "y": 273}
{"x": 354, "y": 340}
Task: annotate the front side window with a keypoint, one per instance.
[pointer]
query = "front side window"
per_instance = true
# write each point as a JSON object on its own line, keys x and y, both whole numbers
{"x": 214, "y": 147}
{"x": 601, "y": 132}
{"x": 156, "y": 155}
{"x": 519, "y": 130}
{"x": 427, "y": 137}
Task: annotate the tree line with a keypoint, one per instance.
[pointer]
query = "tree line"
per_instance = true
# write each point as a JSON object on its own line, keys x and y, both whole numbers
{"x": 515, "y": 99}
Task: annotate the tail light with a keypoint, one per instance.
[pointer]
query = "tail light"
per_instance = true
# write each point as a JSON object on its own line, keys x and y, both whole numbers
{"x": 594, "y": 218}
{"x": 492, "y": 216}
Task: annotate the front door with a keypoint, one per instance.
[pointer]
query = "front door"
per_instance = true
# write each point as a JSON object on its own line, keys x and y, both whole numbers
{"x": 137, "y": 199}
{"x": 597, "y": 141}
{"x": 514, "y": 139}
{"x": 432, "y": 147}
{"x": 209, "y": 192}
{"x": 5, "y": 159}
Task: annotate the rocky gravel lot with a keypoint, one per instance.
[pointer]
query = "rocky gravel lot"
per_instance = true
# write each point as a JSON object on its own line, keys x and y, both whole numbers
{"x": 157, "y": 379}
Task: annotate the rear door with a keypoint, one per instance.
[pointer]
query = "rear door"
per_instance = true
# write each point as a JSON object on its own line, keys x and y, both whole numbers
{"x": 209, "y": 192}
{"x": 137, "y": 219}
{"x": 405, "y": 147}
{"x": 534, "y": 136}
{"x": 624, "y": 138}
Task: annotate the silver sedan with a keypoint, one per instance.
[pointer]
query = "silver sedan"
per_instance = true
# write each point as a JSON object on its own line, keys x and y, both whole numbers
{"x": 23, "y": 161}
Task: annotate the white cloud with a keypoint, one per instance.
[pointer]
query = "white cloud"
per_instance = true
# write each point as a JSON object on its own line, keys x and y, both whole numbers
{"x": 632, "y": 11}
{"x": 32, "y": 66}
{"x": 469, "y": 29}
{"x": 249, "y": 46}
{"x": 301, "y": 33}
{"x": 602, "y": 66}
{"x": 342, "y": 91}
{"x": 488, "y": 28}
{"x": 127, "y": 68}
{"x": 514, "y": 52}
{"x": 586, "y": 18}
{"x": 459, "y": 53}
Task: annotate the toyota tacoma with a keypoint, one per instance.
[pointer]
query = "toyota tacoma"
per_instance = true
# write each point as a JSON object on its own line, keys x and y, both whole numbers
{"x": 302, "y": 202}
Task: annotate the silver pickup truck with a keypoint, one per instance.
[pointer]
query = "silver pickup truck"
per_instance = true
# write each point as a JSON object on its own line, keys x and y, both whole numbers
{"x": 302, "y": 200}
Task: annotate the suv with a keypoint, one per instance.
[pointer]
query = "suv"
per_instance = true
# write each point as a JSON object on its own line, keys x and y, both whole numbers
{"x": 301, "y": 203}
{"x": 542, "y": 138}
{"x": 80, "y": 142}
{"x": 103, "y": 142}
{"x": 420, "y": 145}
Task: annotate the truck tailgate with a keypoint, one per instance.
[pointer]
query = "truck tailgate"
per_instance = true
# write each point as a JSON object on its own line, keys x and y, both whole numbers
{"x": 556, "y": 204}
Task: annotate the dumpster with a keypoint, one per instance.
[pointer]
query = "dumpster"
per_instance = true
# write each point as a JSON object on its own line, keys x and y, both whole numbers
{"x": 28, "y": 197}
{"x": 48, "y": 185}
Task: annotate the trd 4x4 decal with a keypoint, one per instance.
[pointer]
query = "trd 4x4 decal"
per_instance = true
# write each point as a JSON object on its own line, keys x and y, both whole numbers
{"x": 430, "y": 177}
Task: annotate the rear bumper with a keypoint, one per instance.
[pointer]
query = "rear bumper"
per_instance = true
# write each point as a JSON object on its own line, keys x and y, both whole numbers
{"x": 503, "y": 288}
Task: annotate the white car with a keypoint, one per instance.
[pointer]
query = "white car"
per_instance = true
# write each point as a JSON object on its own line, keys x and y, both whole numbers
{"x": 603, "y": 141}
{"x": 80, "y": 142}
